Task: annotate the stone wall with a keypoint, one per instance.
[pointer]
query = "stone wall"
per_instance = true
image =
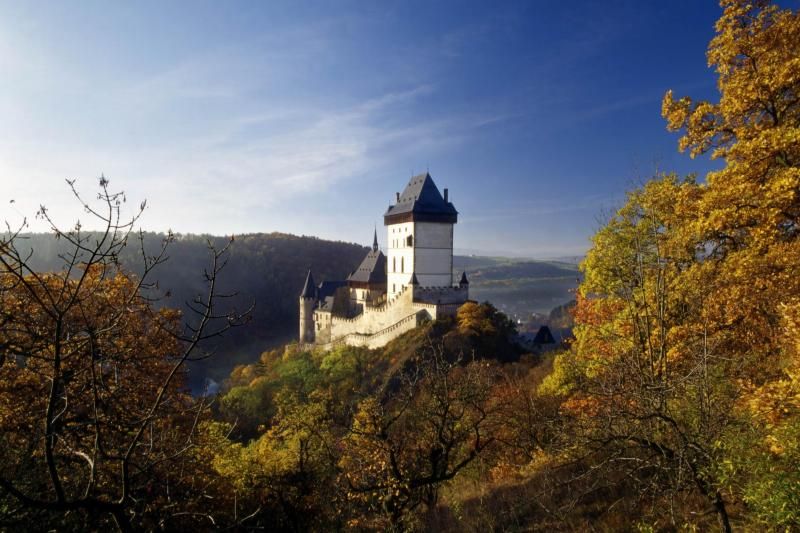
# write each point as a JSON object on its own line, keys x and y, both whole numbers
{"x": 377, "y": 325}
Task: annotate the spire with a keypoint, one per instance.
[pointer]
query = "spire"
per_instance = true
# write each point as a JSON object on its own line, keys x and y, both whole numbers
{"x": 414, "y": 280}
{"x": 464, "y": 280}
{"x": 309, "y": 289}
{"x": 375, "y": 240}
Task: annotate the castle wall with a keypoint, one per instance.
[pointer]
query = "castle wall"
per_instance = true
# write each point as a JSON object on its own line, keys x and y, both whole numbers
{"x": 376, "y": 326}
{"x": 441, "y": 295}
{"x": 400, "y": 256}
{"x": 433, "y": 254}
{"x": 382, "y": 337}
{"x": 373, "y": 319}
{"x": 322, "y": 326}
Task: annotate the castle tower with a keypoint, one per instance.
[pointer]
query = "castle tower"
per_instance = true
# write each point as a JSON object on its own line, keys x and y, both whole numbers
{"x": 419, "y": 232}
{"x": 308, "y": 300}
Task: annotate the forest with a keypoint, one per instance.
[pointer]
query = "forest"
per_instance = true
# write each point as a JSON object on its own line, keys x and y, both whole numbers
{"x": 674, "y": 406}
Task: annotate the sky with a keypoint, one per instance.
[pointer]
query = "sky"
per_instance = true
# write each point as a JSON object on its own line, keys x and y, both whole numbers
{"x": 306, "y": 117}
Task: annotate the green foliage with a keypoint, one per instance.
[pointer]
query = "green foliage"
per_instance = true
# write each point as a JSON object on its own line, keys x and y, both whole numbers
{"x": 766, "y": 477}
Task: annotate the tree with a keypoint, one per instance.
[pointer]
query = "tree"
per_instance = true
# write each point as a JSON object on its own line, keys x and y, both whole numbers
{"x": 402, "y": 449}
{"x": 747, "y": 223}
{"x": 748, "y": 216}
{"x": 646, "y": 388}
{"x": 92, "y": 410}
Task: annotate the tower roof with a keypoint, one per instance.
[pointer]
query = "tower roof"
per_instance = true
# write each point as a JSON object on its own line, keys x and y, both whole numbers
{"x": 372, "y": 269}
{"x": 309, "y": 289}
{"x": 422, "y": 201}
{"x": 375, "y": 241}
{"x": 543, "y": 336}
{"x": 464, "y": 280}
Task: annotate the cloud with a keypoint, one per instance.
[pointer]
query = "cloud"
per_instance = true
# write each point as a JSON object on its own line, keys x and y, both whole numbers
{"x": 233, "y": 166}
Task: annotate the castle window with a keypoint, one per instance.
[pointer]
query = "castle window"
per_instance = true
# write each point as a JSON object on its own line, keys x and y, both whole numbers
{"x": 393, "y": 288}
{"x": 402, "y": 264}
{"x": 394, "y": 265}
{"x": 410, "y": 241}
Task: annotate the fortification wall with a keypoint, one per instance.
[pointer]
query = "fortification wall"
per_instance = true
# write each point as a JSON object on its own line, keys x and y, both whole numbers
{"x": 382, "y": 337}
{"x": 374, "y": 319}
{"x": 441, "y": 295}
{"x": 376, "y": 326}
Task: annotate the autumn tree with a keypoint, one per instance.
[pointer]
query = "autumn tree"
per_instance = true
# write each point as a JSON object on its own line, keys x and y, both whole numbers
{"x": 402, "y": 448}
{"x": 643, "y": 383}
{"x": 750, "y": 209}
{"x": 747, "y": 221}
{"x": 93, "y": 413}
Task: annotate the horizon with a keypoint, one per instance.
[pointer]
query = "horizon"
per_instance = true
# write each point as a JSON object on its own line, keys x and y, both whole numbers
{"x": 307, "y": 118}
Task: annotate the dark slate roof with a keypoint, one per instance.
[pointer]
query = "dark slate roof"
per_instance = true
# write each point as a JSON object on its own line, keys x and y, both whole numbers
{"x": 464, "y": 280}
{"x": 372, "y": 269}
{"x": 328, "y": 288}
{"x": 421, "y": 196}
{"x": 414, "y": 280}
{"x": 309, "y": 289}
{"x": 543, "y": 336}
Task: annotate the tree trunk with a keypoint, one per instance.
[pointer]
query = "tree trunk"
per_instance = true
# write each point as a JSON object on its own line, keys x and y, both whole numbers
{"x": 722, "y": 513}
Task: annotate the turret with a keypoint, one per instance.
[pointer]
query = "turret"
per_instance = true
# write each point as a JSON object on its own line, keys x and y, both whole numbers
{"x": 464, "y": 284}
{"x": 308, "y": 300}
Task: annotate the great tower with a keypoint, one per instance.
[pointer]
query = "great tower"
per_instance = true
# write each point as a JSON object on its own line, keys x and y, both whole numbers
{"x": 419, "y": 237}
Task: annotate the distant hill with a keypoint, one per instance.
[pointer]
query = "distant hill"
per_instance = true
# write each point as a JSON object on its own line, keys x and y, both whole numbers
{"x": 519, "y": 287}
{"x": 268, "y": 269}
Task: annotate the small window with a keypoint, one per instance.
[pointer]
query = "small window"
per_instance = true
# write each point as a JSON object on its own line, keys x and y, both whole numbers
{"x": 394, "y": 265}
{"x": 402, "y": 264}
{"x": 410, "y": 241}
{"x": 393, "y": 287}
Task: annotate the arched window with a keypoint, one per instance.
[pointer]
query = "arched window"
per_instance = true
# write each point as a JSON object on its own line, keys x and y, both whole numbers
{"x": 402, "y": 264}
{"x": 394, "y": 264}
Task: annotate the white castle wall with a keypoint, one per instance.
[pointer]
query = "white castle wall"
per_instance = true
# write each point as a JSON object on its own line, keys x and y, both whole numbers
{"x": 376, "y": 326}
{"x": 400, "y": 257}
{"x": 380, "y": 338}
{"x": 433, "y": 254}
{"x": 373, "y": 319}
{"x": 430, "y": 256}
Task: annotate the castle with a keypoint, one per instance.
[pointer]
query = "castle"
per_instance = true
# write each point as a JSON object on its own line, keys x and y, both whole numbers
{"x": 390, "y": 294}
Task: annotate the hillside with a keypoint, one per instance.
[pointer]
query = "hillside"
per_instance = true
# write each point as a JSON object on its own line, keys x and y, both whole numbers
{"x": 268, "y": 269}
{"x": 265, "y": 270}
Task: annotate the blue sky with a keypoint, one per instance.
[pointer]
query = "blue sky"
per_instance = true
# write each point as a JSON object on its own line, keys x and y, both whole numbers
{"x": 306, "y": 117}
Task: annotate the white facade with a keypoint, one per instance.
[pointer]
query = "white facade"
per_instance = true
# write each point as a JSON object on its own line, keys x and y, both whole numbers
{"x": 433, "y": 254}
{"x": 424, "y": 248}
{"x": 400, "y": 257}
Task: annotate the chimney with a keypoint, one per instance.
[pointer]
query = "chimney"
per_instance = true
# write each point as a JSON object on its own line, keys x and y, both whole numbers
{"x": 397, "y": 196}
{"x": 445, "y": 195}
